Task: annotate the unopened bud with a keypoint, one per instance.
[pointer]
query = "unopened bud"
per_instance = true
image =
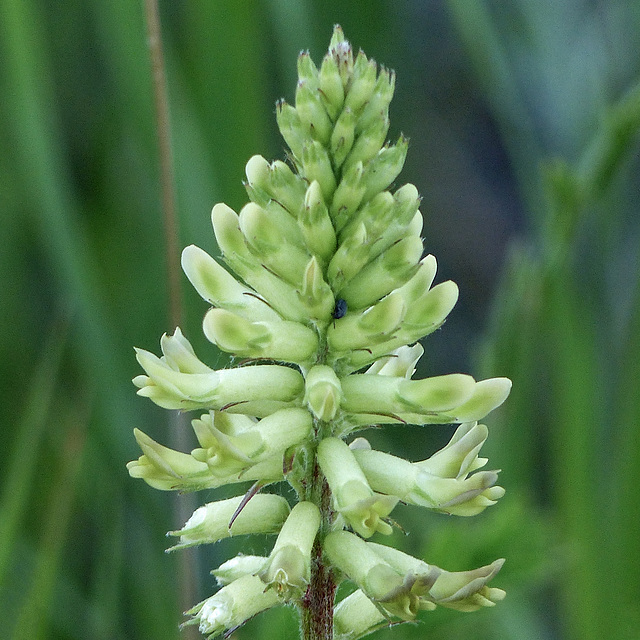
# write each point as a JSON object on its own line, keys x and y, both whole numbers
{"x": 317, "y": 166}
{"x": 312, "y": 112}
{"x": 384, "y": 168}
{"x": 323, "y": 393}
{"x": 264, "y": 513}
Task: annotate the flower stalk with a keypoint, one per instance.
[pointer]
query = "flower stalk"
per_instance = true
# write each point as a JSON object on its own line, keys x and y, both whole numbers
{"x": 326, "y": 293}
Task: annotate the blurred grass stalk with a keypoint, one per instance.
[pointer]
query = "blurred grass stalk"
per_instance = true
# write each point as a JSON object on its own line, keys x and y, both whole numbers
{"x": 183, "y": 505}
{"x": 575, "y": 377}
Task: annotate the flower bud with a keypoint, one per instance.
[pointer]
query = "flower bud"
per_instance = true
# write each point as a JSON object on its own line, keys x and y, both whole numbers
{"x": 284, "y": 340}
{"x": 428, "y": 313}
{"x": 315, "y": 293}
{"x": 238, "y": 567}
{"x": 218, "y": 287}
{"x": 427, "y": 309}
{"x": 382, "y": 170}
{"x": 288, "y": 568}
{"x": 264, "y": 513}
{"x": 368, "y": 143}
{"x": 179, "y": 380}
{"x": 362, "y": 84}
{"x": 268, "y": 241}
{"x": 227, "y": 451}
{"x": 257, "y": 171}
{"x": 269, "y": 228}
{"x": 379, "y": 102}
{"x": 387, "y": 217}
{"x": 276, "y": 181}
{"x": 295, "y": 134}
{"x": 317, "y": 166}
{"x": 353, "y": 498}
{"x": 340, "y": 50}
{"x": 330, "y": 85}
{"x": 287, "y": 187}
{"x": 279, "y": 294}
{"x": 342, "y": 137}
{"x": 367, "y": 328}
{"x": 347, "y": 196}
{"x": 307, "y": 70}
{"x": 323, "y": 393}
{"x": 356, "y": 616}
{"x": 387, "y": 272}
{"x": 312, "y": 112}
{"x": 233, "y": 605}
{"x": 315, "y": 224}
{"x": 352, "y": 255}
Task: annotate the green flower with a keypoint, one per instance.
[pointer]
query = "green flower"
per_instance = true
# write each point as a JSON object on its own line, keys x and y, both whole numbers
{"x": 288, "y": 568}
{"x": 232, "y": 605}
{"x": 402, "y": 585}
{"x": 441, "y": 482}
{"x": 362, "y": 509}
{"x": 232, "y": 443}
{"x": 179, "y": 380}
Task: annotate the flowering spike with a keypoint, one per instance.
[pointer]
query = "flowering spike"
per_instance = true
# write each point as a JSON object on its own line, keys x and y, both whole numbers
{"x": 325, "y": 291}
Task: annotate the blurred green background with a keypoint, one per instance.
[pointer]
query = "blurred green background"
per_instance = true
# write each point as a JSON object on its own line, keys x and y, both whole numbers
{"x": 522, "y": 117}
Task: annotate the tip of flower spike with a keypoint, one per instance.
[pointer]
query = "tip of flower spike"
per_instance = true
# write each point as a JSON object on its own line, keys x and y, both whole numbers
{"x": 337, "y": 36}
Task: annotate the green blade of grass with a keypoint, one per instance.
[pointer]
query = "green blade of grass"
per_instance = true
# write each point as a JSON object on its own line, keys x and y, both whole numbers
{"x": 32, "y": 621}
{"x": 23, "y": 463}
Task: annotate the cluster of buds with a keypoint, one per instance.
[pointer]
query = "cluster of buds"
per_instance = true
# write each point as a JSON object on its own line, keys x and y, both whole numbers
{"x": 324, "y": 296}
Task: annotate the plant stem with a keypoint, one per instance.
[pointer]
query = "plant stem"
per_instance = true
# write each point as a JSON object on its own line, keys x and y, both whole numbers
{"x": 182, "y": 505}
{"x": 317, "y": 603}
{"x": 163, "y": 130}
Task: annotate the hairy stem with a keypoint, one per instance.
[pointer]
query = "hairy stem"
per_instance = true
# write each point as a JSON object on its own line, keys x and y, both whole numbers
{"x": 317, "y": 603}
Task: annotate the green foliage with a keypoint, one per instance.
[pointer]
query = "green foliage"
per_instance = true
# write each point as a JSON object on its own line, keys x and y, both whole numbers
{"x": 79, "y": 199}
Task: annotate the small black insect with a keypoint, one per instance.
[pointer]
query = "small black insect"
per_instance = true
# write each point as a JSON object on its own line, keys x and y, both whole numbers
{"x": 340, "y": 309}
